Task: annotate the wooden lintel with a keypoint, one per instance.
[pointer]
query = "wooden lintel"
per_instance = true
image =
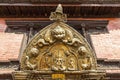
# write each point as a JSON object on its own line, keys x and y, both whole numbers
{"x": 64, "y": 5}
{"x": 40, "y": 23}
{"x": 47, "y": 19}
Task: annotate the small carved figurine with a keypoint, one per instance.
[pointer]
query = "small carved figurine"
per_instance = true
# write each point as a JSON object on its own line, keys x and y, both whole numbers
{"x": 59, "y": 65}
{"x": 34, "y": 52}
{"x": 71, "y": 64}
{"x": 85, "y": 59}
{"x": 30, "y": 59}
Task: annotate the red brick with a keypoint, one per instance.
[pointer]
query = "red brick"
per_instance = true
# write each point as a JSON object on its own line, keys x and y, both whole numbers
{"x": 10, "y": 44}
{"x": 107, "y": 45}
{"x": 114, "y": 24}
{"x": 3, "y": 25}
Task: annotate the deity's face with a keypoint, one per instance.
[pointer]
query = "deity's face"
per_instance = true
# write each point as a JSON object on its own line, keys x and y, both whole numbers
{"x": 71, "y": 60}
{"x": 34, "y": 52}
{"x": 59, "y": 61}
{"x": 82, "y": 50}
{"x": 58, "y": 32}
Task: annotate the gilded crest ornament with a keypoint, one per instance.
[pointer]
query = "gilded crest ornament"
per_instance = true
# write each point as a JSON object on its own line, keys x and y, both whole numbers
{"x": 58, "y": 48}
{"x": 58, "y": 14}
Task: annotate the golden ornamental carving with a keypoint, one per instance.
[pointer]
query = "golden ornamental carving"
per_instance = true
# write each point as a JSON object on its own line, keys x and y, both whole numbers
{"x": 58, "y": 47}
{"x": 58, "y": 14}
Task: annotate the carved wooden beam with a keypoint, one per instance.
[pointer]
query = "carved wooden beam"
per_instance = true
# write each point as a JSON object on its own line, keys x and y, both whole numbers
{"x": 64, "y": 4}
{"x": 77, "y": 24}
{"x": 61, "y": 1}
{"x": 28, "y": 10}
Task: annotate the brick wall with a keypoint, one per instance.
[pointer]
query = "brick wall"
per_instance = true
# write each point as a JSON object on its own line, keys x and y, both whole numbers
{"x": 114, "y": 24}
{"x": 107, "y": 45}
{"x": 3, "y": 26}
{"x": 9, "y": 44}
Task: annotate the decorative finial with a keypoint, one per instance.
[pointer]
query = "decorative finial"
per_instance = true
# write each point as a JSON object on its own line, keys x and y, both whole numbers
{"x": 58, "y": 15}
{"x": 59, "y": 9}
